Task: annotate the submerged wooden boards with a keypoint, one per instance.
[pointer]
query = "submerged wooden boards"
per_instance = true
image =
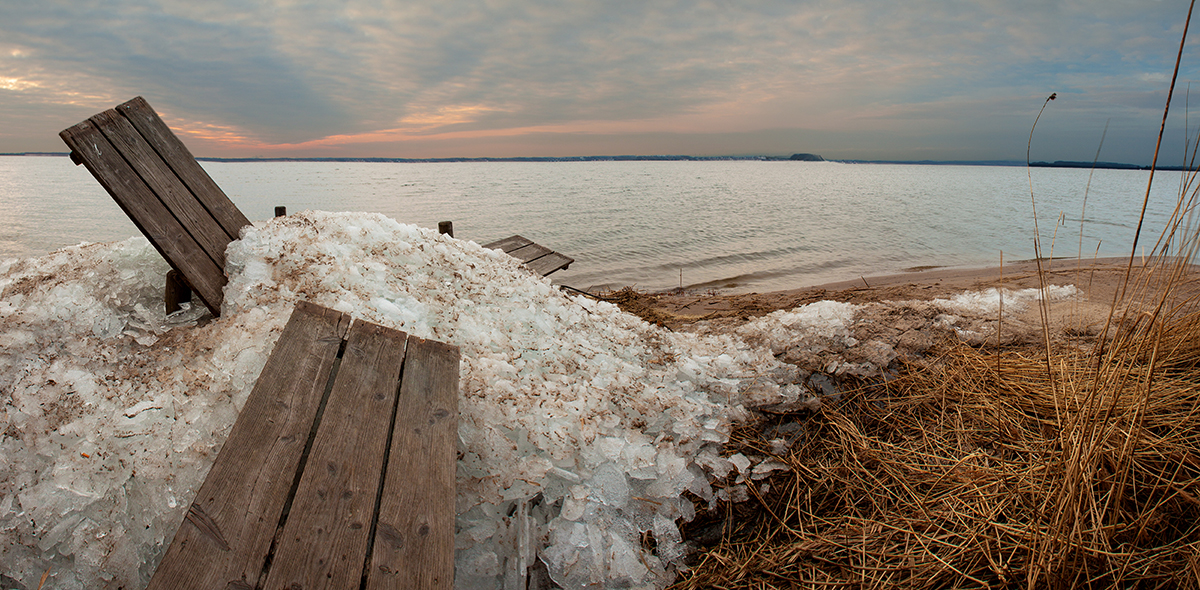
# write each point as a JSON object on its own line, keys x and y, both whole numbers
{"x": 537, "y": 258}
{"x": 358, "y": 488}
{"x": 154, "y": 178}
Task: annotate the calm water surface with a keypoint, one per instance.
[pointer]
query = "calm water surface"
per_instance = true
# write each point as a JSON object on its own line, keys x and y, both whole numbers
{"x": 737, "y": 225}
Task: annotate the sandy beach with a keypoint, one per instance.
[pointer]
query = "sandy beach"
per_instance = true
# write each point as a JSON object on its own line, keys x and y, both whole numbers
{"x": 1098, "y": 280}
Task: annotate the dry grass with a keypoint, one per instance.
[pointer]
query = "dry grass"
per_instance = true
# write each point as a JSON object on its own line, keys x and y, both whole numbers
{"x": 1048, "y": 467}
{"x": 957, "y": 475}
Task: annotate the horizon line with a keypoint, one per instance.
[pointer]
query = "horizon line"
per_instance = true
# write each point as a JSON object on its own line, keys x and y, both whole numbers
{"x": 647, "y": 158}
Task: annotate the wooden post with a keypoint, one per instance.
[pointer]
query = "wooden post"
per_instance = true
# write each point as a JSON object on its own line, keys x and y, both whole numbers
{"x": 176, "y": 292}
{"x": 280, "y": 211}
{"x": 446, "y": 227}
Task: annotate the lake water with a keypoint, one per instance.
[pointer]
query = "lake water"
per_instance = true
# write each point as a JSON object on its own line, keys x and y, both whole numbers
{"x": 730, "y": 225}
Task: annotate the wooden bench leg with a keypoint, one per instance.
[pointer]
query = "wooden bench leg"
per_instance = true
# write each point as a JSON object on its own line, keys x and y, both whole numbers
{"x": 177, "y": 291}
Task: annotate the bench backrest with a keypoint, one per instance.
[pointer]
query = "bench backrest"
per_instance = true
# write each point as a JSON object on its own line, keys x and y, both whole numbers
{"x": 161, "y": 187}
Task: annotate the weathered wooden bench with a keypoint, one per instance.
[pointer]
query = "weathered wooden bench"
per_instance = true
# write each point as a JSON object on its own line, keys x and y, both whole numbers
{"x": 161, "y": 187}
{"x": 339, "y": 472}
{"x": 537, "y": 258}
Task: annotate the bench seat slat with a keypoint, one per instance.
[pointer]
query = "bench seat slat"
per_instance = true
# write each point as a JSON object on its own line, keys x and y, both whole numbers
{"x": 414, "y": 539}
{"x": 549, "y": 263}
{"x": 530, "y": 252}
{"x": 331, "y": 493}
{"x": 163, "y": 182}
{"x": 327, "y": 533}
{"x": 243, "y": 496}
{"x": 147, "y": 212}
{"x": 508, "y": 244}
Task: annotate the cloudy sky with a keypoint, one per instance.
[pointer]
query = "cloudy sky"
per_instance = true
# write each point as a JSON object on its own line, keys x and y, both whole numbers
{"x": 920, "y": 79}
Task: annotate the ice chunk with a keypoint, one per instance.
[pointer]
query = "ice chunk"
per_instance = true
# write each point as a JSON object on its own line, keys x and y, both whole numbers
{"x": 741, "y": 462}
{"x": 610, "y": 485}
{"x": 764, "y": 469}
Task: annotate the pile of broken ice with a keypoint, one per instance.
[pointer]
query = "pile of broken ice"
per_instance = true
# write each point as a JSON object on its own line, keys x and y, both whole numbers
{"x": 581, "y": 430}
{"x": 584, "y": 431}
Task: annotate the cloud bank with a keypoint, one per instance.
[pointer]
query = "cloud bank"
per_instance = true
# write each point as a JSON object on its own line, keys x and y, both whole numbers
{"x": 926, "y": 79}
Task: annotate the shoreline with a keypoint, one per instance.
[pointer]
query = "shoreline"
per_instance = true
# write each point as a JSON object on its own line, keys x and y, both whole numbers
{"x": 1098, "y": 281}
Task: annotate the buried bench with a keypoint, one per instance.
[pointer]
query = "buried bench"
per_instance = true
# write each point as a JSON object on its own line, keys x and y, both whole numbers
{"x": 164, "y": 191}
{"x": 535, "y": 257}
{"x": 339, "y": 471}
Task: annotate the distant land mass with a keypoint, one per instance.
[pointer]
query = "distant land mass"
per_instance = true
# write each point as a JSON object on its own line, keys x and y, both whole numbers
{"x": 797, "y": 157}
{"x": 1111, "y": 165}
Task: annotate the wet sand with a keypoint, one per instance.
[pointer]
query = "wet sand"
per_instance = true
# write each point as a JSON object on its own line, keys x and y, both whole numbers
{"x": 1098, "y": 281}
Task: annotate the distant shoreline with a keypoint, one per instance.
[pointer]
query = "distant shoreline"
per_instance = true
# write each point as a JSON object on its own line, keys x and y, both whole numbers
{"x": 673, "y": 158}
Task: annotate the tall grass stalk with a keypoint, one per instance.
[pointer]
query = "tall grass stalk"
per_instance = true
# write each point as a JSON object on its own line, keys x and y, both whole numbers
{"x": 1043, "y": 302}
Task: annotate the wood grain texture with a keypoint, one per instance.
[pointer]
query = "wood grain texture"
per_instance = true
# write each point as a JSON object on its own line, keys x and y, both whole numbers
{"x": 414, "y": 540}
{"x": 171, "y": 149}
{"x": 163, "y": 182}
{"x": 147, "y": 212}
{"x": 549, "y": 263}
{"x": 508, "y": 244}
{"x": 324, "y": 542}
{"x": 227, "y": 534}
{"x": 530, "y": 252}
{"x": 535, "y": 257}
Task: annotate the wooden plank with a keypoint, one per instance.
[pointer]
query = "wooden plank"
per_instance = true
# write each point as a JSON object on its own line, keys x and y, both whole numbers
{"x": 225, "y": 538}
{"x": 324, "y": 542}
{"x": 177, "y": 156}
{"x": 163, "y": 182}
{"x": 147, "y": 212}
{"x": 549, "y": 263}
{"x": 508, "y": 244}
{"x": 414, "y": 539}
{"x": 530, "y": 252}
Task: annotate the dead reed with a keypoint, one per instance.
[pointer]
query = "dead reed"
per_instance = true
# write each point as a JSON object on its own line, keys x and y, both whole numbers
{"x": 956, "y": 475}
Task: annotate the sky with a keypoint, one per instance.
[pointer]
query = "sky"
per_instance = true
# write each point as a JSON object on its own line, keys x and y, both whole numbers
{"x": 913, "y": 80}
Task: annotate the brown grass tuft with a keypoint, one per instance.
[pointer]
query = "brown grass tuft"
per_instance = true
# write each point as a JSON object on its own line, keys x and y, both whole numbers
{"x": 958, "y": 476}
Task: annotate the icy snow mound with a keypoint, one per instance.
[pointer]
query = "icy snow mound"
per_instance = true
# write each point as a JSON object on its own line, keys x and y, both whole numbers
{"x": 818, "y": 326}
{"x": 988, "y": 301}
{"x": 110, "y": 412}
{"x": 581, "y": 427}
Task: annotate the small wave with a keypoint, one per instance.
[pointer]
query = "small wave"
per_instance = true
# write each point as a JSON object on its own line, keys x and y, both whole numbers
{"x": 732, "y": 258}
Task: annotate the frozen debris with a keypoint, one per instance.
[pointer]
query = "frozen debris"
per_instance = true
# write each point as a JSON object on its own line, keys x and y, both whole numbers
{"x": 988, "y": 301}
{"x": 764, "y": 469}
{"x": 820, "y": 326}
{"x": 581, "y": 427}
{"x": 142, "y": 406}
{"x": 111, "y": 412}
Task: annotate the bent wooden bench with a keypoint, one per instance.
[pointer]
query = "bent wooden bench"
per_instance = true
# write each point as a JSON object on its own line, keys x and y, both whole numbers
{"x": 338, "y": 473}
{"x": 178, "y": 207}
{"x": 161, "y": 187}
{"x": 537, "y": 258}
